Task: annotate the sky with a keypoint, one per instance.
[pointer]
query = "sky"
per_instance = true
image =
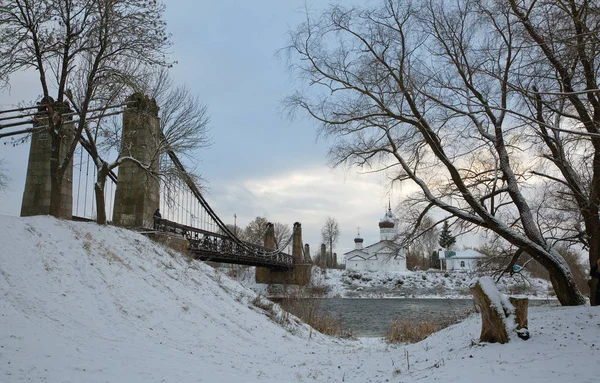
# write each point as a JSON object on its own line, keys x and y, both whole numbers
{"x": 261, "y": 163}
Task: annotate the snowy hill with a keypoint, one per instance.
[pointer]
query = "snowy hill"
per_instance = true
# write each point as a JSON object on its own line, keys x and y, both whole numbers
{"x": 82, "y": 303}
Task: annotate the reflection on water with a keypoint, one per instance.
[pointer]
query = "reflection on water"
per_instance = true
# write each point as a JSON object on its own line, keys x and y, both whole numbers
{"x": 372, "y": 317}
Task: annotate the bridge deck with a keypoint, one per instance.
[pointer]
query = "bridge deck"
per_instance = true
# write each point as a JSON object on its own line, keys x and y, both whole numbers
{"x": 214, "y": 247}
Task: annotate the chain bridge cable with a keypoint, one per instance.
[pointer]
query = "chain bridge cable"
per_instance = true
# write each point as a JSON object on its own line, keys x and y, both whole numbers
{"x": 262, "y": 237}
{"x": 194, "y": 188}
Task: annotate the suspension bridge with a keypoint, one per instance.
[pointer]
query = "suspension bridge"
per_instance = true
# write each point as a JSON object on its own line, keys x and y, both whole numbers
{"x": 147, "y": 174}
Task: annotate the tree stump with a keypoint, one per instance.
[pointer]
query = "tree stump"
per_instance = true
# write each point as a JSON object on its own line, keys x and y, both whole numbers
{"x": 521, "y": 306}
{"x": 499, "y": 315}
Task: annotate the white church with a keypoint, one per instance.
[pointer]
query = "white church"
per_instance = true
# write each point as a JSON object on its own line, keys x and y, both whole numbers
{"x": 384, "y": 255}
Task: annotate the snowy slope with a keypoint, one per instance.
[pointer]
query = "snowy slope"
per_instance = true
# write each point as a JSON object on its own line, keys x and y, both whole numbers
{"x": 82, "y": 303}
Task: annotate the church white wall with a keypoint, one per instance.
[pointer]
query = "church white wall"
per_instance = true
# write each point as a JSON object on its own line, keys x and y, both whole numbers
{"x": 458, "y": 264}
{"x": 385, "y": 260}
{"x": 398, "y": 264}
{"x": 356, "y": 265}
{"x": 373, "y": 265}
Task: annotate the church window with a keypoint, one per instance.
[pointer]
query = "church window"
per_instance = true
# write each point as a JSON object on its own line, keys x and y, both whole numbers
{"x": 462, "y": 263}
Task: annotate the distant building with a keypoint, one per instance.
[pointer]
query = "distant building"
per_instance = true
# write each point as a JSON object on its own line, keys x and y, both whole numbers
{"x": 462, "y": 260}
{"x": 384, "y": 255}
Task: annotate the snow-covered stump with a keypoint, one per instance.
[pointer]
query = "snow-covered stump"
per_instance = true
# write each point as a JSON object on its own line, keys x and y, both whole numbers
{"x": 500, "y": 315}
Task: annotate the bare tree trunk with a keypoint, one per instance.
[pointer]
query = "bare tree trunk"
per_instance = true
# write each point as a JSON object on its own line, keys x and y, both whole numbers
{"x": 99, "y": 192}
{"x": 562, "y": 281}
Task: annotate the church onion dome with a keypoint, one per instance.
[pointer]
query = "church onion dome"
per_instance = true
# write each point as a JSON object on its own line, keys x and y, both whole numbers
{"x": 383, "y": 224}
{"x": 387, "y": 222}
{"x": 358, "y": 239}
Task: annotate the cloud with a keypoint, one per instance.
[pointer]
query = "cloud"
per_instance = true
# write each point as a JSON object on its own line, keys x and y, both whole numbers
{"x": 308, "y": 196}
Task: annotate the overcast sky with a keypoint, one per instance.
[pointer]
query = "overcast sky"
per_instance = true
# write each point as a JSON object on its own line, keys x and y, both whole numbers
{"x": 260, "y": 163}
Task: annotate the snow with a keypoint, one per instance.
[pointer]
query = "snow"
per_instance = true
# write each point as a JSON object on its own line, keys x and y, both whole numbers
{"x": 498, "y": 302}
{"x": 82, "y": 303}
{"x": 408, "y": 284}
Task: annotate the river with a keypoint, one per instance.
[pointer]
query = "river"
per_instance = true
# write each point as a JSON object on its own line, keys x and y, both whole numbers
{"x": 373, "y": 317}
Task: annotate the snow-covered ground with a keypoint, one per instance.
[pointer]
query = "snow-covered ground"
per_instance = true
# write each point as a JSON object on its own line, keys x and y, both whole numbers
{"x": 411, "y": 284}
{"x": 82, "y": 303}
{"x": 423, "y": 284}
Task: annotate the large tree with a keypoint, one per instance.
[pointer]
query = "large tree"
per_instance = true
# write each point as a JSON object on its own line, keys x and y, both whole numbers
{"x": 330, "y": 233}
{"x": 490, "y": 107}
{"x": 89, "y": 45}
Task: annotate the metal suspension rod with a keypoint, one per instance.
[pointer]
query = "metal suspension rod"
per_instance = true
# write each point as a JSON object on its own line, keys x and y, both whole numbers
{"x": 192, "y": 185}
{"x": 94, "y": 191}
{"x": 24, "y": 131}
{"x": 19, "y": 116}
{"x": 79, "y": 180}
{"x": 19, "y": 109}
{"x": 30, "y": 130}
{"x": 87, "y": 180}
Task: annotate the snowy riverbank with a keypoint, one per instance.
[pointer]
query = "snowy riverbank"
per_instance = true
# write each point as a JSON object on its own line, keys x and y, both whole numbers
{"x": 82, "y": 303}
{"x": 433, "y": 284}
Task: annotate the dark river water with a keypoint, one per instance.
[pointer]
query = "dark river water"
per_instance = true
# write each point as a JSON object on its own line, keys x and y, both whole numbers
{"x": 367, "y": 317}
{"x": 373, "y": 317}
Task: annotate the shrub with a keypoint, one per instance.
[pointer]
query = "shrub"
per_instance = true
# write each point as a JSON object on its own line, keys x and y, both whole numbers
{"x": 411, "y": 331}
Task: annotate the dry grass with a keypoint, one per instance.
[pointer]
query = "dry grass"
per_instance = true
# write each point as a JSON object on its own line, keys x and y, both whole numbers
{"x": 406, "y": 331}
{"x": 262, "y": 303}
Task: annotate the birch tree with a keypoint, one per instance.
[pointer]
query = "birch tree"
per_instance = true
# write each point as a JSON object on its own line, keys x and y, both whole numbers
{"x": 484, "y": 105}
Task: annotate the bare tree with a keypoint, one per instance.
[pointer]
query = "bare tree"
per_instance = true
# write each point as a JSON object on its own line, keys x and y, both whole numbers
{"x": 330, "y": 233}
{"x": 92, "y": 43}
{"x": 475, "y": 102}
{"x": 256, "y": 229}
{"x": 282, "y": 233}
{"x": 422, "y": 244}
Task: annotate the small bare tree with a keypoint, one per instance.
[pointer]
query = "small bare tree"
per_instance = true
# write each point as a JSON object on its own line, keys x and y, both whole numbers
{"x": 330, "y": 233}
{"x": 475, "y": 102}
{"x": 93, "y": 43}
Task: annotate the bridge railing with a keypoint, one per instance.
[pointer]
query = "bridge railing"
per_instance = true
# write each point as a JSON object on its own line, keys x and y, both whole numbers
{"x": 210, "y": 246}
